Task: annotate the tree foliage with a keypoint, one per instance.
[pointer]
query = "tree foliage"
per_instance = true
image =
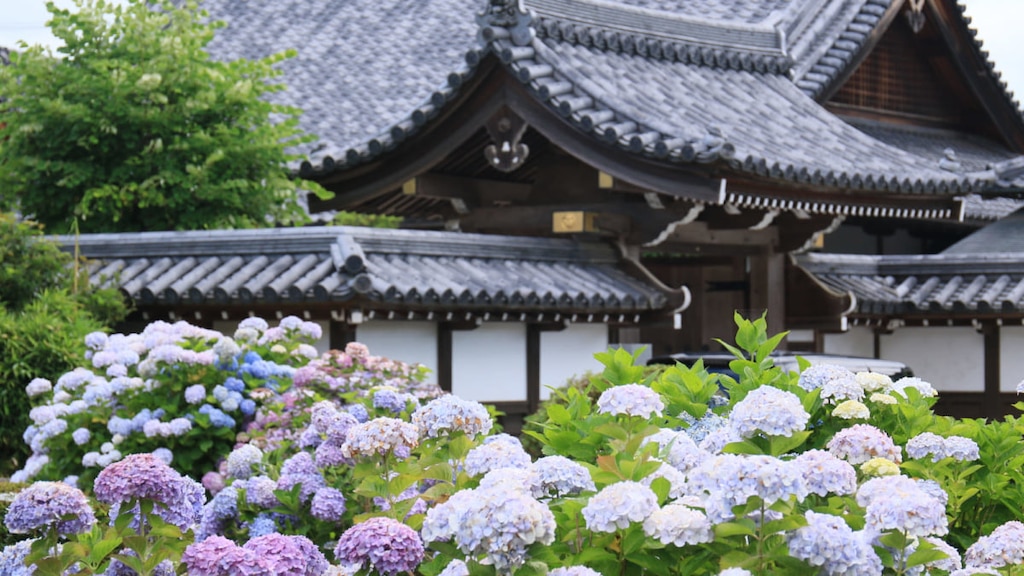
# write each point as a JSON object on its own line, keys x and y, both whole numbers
{"x": 46, "y": 308}
{"x": 133, "y": 127}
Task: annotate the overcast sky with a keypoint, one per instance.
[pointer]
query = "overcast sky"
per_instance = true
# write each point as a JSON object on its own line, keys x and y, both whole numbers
{"x": 998, "y": 23}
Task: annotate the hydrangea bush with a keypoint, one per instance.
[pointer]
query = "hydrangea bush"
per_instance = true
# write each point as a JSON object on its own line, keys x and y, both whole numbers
{"x": 673, "y": 473}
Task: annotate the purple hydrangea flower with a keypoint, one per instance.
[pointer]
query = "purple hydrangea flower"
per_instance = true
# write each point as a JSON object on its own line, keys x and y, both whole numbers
{"x": 218, "y": 556}
{"x": 450, "y": 414}
{"x": 862, "y": 442}
{"x": 770, "y": 411}
{"x": 288, "y": 555}
{"x": 616, "y": 505}
{"x": 47, "y": 504}
{"x": 391, "y": 400}
{"x": 177, "y": 499}
{"x": 379, "y": 437}
{"x": 678, "y": 525}
{"x": 630, "y": 400}
{"x": 387, "y": 545}
{"x": 1003, "y": 547}
{"x": 828, "y": 542}
{"x": 328, "y": 504}
{"x": 497, "y": 523}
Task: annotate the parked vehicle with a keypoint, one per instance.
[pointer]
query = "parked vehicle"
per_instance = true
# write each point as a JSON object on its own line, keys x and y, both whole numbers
{"x": 718, "y": 362}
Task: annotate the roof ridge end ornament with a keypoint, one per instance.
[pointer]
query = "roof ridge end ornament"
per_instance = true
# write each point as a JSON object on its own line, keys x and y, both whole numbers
{"x": 511, "y": 17}
{"x": 949, "y": 162}
{"x": 915, "y": 15}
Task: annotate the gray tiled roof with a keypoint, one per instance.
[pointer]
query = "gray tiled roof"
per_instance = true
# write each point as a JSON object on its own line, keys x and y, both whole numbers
{"x": 391, "y": 269}
{"x": 980, "y": 208}
{"x": 1003, "y": 236}
{"x": 652, "y": 76}
{"x": 933, "y": 284}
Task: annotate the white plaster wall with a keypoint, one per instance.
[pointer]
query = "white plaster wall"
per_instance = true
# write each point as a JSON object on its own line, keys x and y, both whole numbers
{"x": 489, "y": 363}
{"x": 949, "y": 357}
{"x": 569, "y": 352}
{"x": 857, "y": 341}
{"x": 1011, "y": 357}
{"x": 411, "y": 342}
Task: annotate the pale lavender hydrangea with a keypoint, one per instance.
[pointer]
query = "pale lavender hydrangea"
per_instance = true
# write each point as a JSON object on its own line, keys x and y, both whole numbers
{"x": 677, "y": 449}
{"x": 81, "y": 436}
{"x": 195, "y": 394}
{"x": 38, "y": 387}
{"x": 676, "y": 480}
{"x": 826, "y": 474}
{"x": 899, "y": 503}
{"x": 975, "y": 571}
{"x": 379, "y": 437}
{"x": 387, "y": 545}
{"x": 43, "y": 505}
{"x": 828, "y": 542}
{"x": 630, "y": 400}
{"x": 259, "y": 491}
{"x": 956, "y": 447}
{"x": 731, "y": 480}
{"x": 448, "y": 414}
{"x": 494, "y": 455}
{"x": 734, "y": 572}
{"x": 12, "y": 559}
{"x": 164, "y": 454}
{"x": 242, "y": 460}
{"x": 822, "y": 375}
{"x": 862, "y": 442}
{"x": 768, "y": 410}
{"x": 678, "y": 525}
{"x": 574, "y": 571}
{"x": 1003, "y": 547}
{"x": 950, "y": 563}
{"x": 616, "y": 505}
{"x": 924, "y": 388}
{"x": 497, "y": 523}
{"x": 558, "y": 476}
{"x": 458, "y": 568}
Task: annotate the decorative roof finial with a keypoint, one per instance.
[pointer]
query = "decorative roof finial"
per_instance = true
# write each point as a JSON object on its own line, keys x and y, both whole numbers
{"x": 507, "y": 14}
{"x": 949, "y": 161}
{"x": 915, "y": 16}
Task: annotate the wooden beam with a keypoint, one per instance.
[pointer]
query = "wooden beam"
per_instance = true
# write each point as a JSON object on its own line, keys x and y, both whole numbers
{"x": 340, "y": 334}
{"x": 533, "y": 360}
{"x": 444, "y": 356}
{"x": 990, "y": 332}
{"x": 699, "y": 233}
{"x": 474, "y": 191}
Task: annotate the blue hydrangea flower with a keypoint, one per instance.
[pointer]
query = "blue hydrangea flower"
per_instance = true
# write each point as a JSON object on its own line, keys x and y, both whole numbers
{"x": 619, "y": 504}
{"x": 458, "y": 568}
{"x": 217, "y": 417}
{"x": 956, "y": 447}
{"x": 630, "y": 400}
{"x": 43, "y": 505}
{"x": 768, "y": 410}
{"x": 862, "y": 442}
{"x": 450, "y": 413}
{"x": 678, "y": 525}
{"x": 262, "y": 525}
{"x": 387, "y": 545}
{"x": 677, "y": 449}
{"x": 731, "y": 480}
{"x": 12, "y": 559}
{"x": 828, "y": 543}
{"x": 496, "y": 523}
{"x": 164, "y": 454}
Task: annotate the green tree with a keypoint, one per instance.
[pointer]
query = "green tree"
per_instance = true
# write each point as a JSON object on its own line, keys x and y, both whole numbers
{"x": 46, "y": 308}
{"x": 133, "y": 127}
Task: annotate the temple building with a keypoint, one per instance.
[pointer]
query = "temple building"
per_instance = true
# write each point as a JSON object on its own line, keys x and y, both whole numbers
{"x": 608, "y": 171}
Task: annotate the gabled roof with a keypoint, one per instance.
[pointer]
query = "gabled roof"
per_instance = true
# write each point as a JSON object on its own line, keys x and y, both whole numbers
{"x": 981, "y": 274}
{"x": 396, "y": 270}
{"x": 727, "y": 81}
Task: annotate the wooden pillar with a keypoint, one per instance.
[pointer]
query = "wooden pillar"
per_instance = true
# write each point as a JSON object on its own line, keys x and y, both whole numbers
{"x": 340, "y": 334}
{"x": 444, "y": 356}
{"x": 767, "y": 282}
{"x": 992, "y": 398}
{"x": 533, "y": 332}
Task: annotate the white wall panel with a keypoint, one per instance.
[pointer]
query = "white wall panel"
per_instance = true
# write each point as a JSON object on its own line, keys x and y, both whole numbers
{"x": 411, "y": 342}
{"x": 568, "y": 353}
{"x": 1011, "y": 357}
{"x": 857, "y": 341}
{"x": 489, "y": 363}
{"x": 951, "y": 358}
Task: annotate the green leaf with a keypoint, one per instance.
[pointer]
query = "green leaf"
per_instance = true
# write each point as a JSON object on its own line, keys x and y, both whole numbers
{"x": 740, "y": 528}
